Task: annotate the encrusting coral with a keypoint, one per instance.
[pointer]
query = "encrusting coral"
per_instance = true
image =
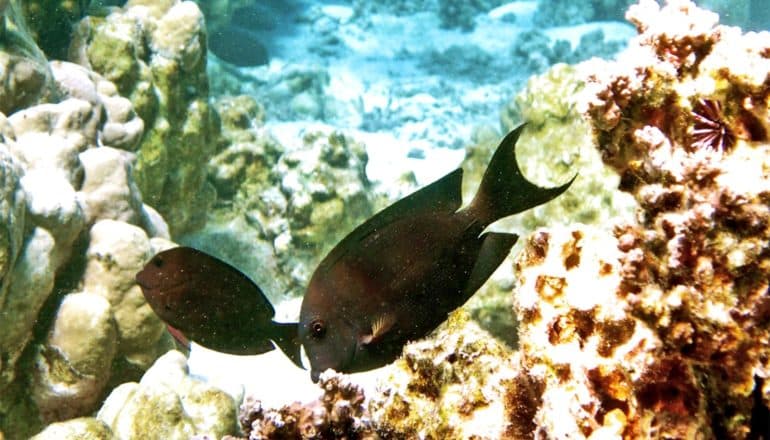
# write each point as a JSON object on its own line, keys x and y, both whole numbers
{"x": 660, "y": 328}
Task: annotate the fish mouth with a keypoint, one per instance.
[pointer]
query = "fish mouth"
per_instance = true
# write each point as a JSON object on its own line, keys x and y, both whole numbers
{"x": 141, "y": 281}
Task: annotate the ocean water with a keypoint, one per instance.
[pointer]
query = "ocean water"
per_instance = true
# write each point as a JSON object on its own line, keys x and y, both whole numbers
{"x": 325, "y": 113}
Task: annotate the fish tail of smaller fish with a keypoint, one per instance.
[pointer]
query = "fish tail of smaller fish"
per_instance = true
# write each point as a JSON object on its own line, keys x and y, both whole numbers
{"x": 504, "y": 190}
{"x": 286, "y": 337}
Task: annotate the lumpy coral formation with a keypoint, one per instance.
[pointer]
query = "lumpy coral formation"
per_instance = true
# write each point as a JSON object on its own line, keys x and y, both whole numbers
{"x": 166, "y": 404}
{"x": 75, "y": 231}
{"x": 155, "y": 53}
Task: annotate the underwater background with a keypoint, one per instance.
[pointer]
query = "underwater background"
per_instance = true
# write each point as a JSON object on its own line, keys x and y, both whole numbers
{"x": 635, "y": 305}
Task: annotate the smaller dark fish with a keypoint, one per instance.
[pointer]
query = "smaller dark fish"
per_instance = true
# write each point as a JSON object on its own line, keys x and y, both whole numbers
{"x": 208, "y": 301}
{"x": 238, "y": 46}
{"x": 396, "y": 277}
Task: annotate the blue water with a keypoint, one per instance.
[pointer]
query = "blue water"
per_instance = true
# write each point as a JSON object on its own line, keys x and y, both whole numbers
{"x": 373, "y": 63}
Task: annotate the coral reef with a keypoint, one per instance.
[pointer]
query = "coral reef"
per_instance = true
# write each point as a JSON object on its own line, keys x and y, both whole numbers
{"x": 656, "y": 328}
{"x": 559, "y": 144}
{"x": 168, "y": 404}
{"x": 85, "y": 428}
{"x": 338, "y": 414}
{"x": 75, "y": 231}
{"x": 448, "y": 386}
{"x": 556, "y": 145}
{"x": 660, "y": 327}
{"x": 293, "y": 201}
{"x": 155, "y": 53}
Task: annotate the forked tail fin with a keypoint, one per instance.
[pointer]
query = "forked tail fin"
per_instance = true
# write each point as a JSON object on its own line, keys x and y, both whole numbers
{"x": 504, "y": 190}
{"x": 286, "y": 337}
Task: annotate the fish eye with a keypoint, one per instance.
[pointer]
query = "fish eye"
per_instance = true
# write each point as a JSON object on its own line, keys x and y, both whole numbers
{"x": 157, "y": 262}
{"x": 317, "y": 328}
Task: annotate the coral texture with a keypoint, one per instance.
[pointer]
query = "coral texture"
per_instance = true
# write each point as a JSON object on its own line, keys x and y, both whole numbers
{"x": 294, "y": 201}
{"x": 85, "y": 428}
{"x": 338, "y": 414}
{"x": 74, "y": 233}
{"x": 451, "y": 385}
{"x": 660, "y": 328}
{"x": 155, "y": 53}
{"x": 168, "y": 404}
{"x": 557, "y": 145}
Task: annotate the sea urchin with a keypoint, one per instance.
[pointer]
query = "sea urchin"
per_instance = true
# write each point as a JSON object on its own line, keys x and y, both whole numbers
{"x": 710, "y": 130}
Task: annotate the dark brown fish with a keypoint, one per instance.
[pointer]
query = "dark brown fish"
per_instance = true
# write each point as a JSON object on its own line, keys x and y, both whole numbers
{"x": 397, "y": 276}
{"x": 208, "y": 301}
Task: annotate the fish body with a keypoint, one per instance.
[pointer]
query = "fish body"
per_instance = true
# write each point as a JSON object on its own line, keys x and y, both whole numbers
{"x": 397, "y": 276}
{"x": 238, "y": 46}
{"x": 212, "y": 303}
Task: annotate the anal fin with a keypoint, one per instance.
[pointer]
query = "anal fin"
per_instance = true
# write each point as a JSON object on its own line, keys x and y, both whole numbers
{"x": 495, "y": 247}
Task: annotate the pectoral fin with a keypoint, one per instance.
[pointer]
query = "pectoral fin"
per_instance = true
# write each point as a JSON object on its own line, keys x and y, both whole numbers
{"x": 380, "y": 327}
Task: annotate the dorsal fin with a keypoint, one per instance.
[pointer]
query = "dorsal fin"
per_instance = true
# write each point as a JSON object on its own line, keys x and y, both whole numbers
{"x": 441, "y": 196}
